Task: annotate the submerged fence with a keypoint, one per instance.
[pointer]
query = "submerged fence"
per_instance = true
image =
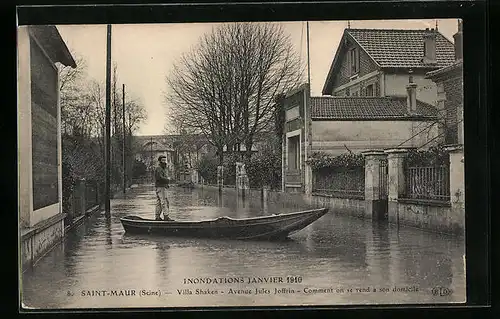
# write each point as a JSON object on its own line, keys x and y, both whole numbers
{"x": 430, "y": 183}
{"x": 85, "y": 195}
{"x": 344, "y": 183}
{"x": 92, "y": 197}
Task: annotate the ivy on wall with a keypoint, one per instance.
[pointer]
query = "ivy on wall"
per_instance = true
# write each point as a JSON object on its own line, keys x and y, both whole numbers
{"x": 321, "y": 160}
{"x": 434, "y": 156}
{"x": 68, "y": 184}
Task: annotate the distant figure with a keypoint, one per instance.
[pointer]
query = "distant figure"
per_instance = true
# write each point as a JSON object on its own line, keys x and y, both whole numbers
{"x": 161, "y": 185}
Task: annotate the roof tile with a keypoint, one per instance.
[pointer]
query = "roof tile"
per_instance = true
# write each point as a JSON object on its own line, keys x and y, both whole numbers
{"x": 367, "y": 108}
{"x": 402, "y": 48}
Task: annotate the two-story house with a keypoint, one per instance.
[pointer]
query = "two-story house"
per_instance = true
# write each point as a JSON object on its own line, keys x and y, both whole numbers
{"x": 376, "y": 62}
{"x": 377, "y": 95}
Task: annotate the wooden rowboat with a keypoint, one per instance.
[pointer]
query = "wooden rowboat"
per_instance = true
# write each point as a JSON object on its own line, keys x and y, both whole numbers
{"x": 273, "y": 227}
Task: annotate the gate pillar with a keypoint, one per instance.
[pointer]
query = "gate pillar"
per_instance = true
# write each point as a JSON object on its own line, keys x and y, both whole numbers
{"x": 396, "y": 170}
{"x": 375, "y": 184}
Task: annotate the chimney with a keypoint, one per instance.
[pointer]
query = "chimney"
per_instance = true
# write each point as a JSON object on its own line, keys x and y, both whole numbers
{"x": 429, "y": 46}
{"x": 411, "y": 97}
{"x": 458, "y": 41}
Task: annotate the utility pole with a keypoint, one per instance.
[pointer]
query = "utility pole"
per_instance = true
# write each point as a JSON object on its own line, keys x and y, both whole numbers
{"x": 130, "y": 135}
{"x": 152, "y": 168}
{"x": 308, "y": 60}
{"x": 107, "y": 195}
{"x": 114, "y": 126}
{"x": 123, "y": 141}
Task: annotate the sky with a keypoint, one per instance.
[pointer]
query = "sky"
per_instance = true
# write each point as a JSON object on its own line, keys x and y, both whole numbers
{"x": 144, "y": 53}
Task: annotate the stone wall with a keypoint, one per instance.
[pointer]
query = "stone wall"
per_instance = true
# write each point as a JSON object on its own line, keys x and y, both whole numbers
{"x": 450, "y": 103}
{"x": 439, "y": 216}
{"x": 430, "y": 216}
{"x": 36, "y": 242}
{"x": 345, "y": 206}
{"x": 385, "y": 201}
{"x": 333, "y": 136}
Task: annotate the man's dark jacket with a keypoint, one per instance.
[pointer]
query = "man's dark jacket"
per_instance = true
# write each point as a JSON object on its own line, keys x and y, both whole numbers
{"x": 161, "y": 177}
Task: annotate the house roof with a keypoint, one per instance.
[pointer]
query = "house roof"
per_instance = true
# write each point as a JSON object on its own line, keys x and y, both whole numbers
{"x": 442, "y": 72}
{"x": 394, "y": 48}
{"x": 367, "y": 108}
{"x": 52, "y": 42}
{"x": 402, "y": 48}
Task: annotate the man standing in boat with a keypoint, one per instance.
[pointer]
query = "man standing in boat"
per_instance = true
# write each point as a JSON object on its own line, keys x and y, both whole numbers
{"x": 161, "y": 185}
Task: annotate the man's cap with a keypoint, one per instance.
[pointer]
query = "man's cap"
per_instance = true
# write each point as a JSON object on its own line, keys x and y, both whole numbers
{"x": 160, "y": 157}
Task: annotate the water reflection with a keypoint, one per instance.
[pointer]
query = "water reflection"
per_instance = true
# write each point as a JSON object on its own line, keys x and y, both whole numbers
{"x": 335, "y": 250}
{"x": 264, "y": 207}
{"x": 107, "y": 232}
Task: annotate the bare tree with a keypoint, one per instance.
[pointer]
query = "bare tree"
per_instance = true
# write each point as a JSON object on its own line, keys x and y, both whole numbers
{"x": 269, "y": 67}
{"x": 69, "y": 76}
{"x": 83, "y": 114}
{"x": 71, "y": 94}
{"x": 94, "y": 115}
{"x": 96, "y": 92}
{"x": 224, "y": 88}
{"x": 135, "y": 114}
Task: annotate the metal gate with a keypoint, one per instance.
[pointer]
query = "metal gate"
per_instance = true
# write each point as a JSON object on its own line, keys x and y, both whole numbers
{"x": 381, "y": 210}
{"x": 383, "y": 176}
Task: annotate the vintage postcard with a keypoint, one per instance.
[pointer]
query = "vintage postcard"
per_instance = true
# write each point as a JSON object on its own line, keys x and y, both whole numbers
{"x": 241, "y": 164}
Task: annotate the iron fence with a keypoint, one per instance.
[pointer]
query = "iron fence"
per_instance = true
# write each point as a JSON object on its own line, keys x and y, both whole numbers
{"x": 344, "y": 183}
{"x": 91, "y": 194}
{"x": 430, "y": 183}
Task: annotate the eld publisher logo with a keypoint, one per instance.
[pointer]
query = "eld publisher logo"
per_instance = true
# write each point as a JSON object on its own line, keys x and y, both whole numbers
{"x": 441, "y": 291}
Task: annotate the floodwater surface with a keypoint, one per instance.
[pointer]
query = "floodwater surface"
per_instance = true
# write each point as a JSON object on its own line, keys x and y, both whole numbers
{"x": 338, "y": 260}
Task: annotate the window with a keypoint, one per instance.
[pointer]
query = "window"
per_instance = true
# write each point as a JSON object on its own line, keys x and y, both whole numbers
{"x": 356, "y": 93}
{"x": 354, "y": 61}
{"x": 369, "y": 90}
{"x": 293, "y": 152}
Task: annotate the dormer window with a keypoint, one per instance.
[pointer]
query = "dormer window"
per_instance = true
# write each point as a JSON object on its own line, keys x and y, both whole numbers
{"x": 354, "y": 61}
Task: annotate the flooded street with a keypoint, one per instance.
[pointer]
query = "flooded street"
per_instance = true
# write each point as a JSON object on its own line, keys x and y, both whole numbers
{"x": 336, "y": 260}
